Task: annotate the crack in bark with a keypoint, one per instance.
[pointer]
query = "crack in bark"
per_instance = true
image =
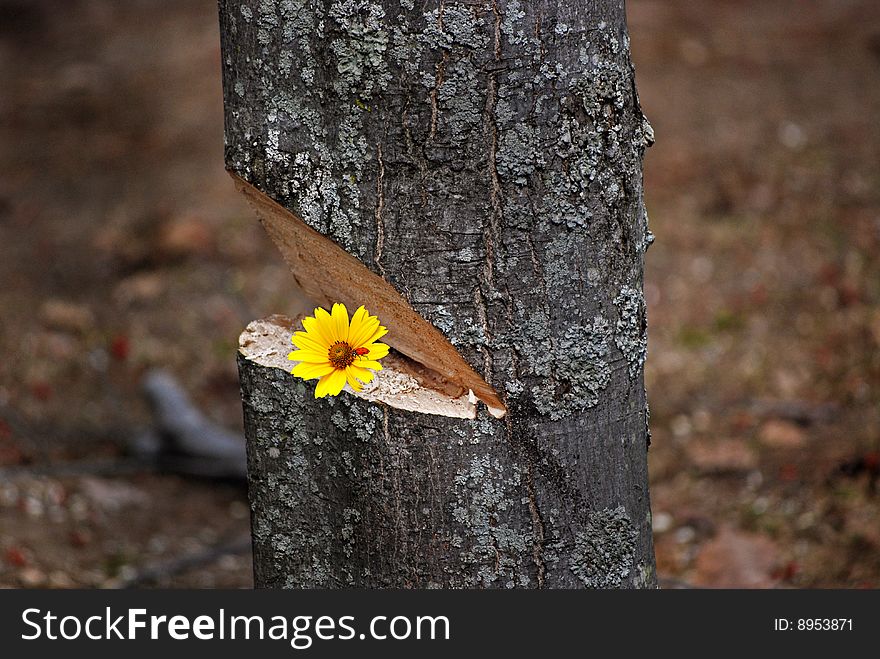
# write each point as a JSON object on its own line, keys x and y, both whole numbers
{"x": 380, "y": 206}
{"x": 556, "y": 475}
{"x": 537, "y": 526}
{"x": 480, "y": 306}
{"x": 438, "y": 80}
{"x": 539, "y": 35}
{"x": 400, "y": 529}
{"x": 491, "y": 233}
{"x": 514, "y": 358}
{"x": 497, "y": 215}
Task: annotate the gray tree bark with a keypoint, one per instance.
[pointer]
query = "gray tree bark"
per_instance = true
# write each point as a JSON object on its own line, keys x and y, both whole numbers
{"x": 484, "y": 158}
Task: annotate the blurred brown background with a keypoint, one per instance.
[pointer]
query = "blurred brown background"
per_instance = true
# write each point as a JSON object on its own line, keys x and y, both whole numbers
{"x": 124, "y": 247}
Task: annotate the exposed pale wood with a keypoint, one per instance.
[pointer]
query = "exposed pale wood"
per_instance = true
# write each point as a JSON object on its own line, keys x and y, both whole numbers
{"x": 326, "y": 273}
{"x": 402, "y": 383}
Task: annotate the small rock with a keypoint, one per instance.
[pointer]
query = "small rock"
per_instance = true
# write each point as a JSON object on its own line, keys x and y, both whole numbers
{"x": 59, "y": 579}
{"x": 32, "y": 577}
{"x": 33, "y": 506}
{"x": 681, "y": 426}
{"x": 792, "y": 135}
{"x": 685, "y": 534}
{"x": 661, "y": 522}
{"x": 9, "y": 495}
{"x": 777, "y": 433}
{"x": 67, "y": 316}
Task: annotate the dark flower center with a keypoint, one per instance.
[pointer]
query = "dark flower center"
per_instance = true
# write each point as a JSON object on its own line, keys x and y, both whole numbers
{"x": 341, "y": 355}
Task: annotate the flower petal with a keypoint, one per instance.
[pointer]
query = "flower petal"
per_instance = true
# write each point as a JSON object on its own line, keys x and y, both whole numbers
{"x": 308, "y": 371}
{"x": 378, "y": 334}
{"x": 330, "y": 385}
{"x": 377, "y": 351}
{"x": 361, "y": 374}
{"x": 308, "y": 356}
{"x": 307, "y": 341}
{"x": 321, "y": 387}
{"x": 339, "y": 316}
{"x": 319, "y": 327}
{"x": 367, "y": 363}
{"x": 357, "y": 320}
{"x": 364, "y": 330}
{"x": 352, "y": 382}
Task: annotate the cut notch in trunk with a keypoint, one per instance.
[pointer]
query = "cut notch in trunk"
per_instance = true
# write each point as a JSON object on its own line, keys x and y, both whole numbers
{"x": 327, "y": 273}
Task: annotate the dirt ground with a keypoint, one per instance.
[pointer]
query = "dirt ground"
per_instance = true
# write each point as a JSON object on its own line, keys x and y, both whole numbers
{"x": 123, "y": 247}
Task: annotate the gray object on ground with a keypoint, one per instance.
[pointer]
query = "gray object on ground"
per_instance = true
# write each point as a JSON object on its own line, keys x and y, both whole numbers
{"x": 188, "y": 442}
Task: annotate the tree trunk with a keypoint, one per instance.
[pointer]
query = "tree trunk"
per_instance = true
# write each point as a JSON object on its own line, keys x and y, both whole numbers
{"x": 483, "y": 160}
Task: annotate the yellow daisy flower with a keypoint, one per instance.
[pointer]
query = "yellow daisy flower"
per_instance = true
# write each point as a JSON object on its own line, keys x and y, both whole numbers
{"x": 336, "y": 351}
